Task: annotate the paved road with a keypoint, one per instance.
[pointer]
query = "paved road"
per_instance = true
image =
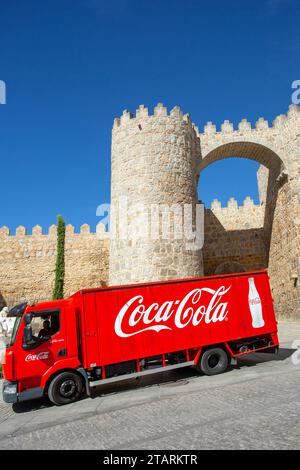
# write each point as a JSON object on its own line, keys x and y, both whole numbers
{"x": 253, "y": 406}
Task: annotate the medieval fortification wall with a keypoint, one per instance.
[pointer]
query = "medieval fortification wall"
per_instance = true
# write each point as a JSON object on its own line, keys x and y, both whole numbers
{"x": 233, "y": 235}
{"x": 28, "y": 262}
{"x": 159, "y": 158}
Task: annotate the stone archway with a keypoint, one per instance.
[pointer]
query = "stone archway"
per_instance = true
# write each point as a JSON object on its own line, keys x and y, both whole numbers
{"x": 277, "y": 149}
{"x": 273, "y": 171}
{"x": 254, "y": 244}
{"x": 252, "y": 150}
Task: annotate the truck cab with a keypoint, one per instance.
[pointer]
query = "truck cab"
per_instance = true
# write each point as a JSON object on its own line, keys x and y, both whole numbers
{"x": 44, "y": 342}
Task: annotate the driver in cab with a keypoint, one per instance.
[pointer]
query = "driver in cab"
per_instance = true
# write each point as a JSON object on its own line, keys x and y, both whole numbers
{"x": 46, "y": 331}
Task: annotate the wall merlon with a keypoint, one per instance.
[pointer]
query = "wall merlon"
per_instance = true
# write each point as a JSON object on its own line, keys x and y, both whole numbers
{"x": 210, "y": 128}
{"x": 142, "y": 111}
{"x": 70, "y": 229}
{"x": 262, "y": 124}
{"x": 37, "y": 231}
{"x": 294, "y": 111}
{"x": 52, "y": 230}
{"x": 126, "y": 117}
{"x": 4, "y": 231}
{"x": 21, "y": 231}
{"x": 244, "y": 125}
{"x": 227, "y": 126}
{"x": 85, "y": 229}
{"x": 160, "y": 110}
{"x": 187, "y": 117}
{"x": 248, "y": 201}
{"x": 216, "y": 204}
{"x": 117, "y": 122}
{"x": 279, "y": 121}
{"x": 176, "y": 112}
{"x": 232, "y": 203}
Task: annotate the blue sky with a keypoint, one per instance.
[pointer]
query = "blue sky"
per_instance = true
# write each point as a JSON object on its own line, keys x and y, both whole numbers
{"x": 71, "y": 66}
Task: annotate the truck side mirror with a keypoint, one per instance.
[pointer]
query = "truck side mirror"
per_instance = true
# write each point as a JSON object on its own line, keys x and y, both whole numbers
{"x": 27, "y": 336}
{"x": 27, "y": 318}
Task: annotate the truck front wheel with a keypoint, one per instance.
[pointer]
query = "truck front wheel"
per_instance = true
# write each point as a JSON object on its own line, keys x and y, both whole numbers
{"x": 213, "y": 361}
{"x": 65, "y": 388}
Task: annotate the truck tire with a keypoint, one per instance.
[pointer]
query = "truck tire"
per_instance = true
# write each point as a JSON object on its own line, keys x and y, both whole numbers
{"x": 213, "y": 361}
{"x": 65, "y": 388}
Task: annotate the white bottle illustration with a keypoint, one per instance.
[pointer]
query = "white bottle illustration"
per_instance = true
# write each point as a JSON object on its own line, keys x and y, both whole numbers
{"x": 255, "y": 305}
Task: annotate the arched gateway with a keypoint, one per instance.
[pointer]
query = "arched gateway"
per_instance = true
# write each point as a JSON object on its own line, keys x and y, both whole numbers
{"x": 277, "y": 149}
{"x": 160, "y": 158}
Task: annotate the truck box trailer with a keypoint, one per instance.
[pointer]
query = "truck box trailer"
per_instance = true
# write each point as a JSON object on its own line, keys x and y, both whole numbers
{"x": 67, "y": 347}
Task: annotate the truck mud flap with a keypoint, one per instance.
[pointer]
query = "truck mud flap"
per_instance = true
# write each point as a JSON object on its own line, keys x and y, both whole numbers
{"x": 83, "y": 373}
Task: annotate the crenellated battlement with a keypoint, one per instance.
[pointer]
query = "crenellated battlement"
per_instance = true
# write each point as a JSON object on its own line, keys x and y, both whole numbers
{"x": 261, "y": 124}
{"x": 233, "y": 204}
{"x": 263, "y": 143}
{"x": 142, "y": 113}
{"x": 37, "y": 231}
{"x": 238, "y": 217}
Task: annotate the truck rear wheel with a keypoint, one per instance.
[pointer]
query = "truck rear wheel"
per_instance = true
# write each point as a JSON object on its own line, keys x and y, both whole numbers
{"x": 65, "y": 388}
{"x": 213, "y": 361}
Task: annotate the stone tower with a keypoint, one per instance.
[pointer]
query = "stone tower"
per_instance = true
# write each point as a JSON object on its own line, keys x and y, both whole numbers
{"x": 155, "y": 164}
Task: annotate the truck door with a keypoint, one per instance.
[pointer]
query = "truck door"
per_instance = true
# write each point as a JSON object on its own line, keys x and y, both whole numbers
{"x": 48, "y": 343}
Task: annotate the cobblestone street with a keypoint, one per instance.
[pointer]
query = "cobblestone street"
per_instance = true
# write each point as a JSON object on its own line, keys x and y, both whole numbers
{"x": 253, "y": 406}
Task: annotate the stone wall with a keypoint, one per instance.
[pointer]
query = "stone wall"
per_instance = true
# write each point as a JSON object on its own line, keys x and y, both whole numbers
{"x": 28, "y": 262}
{"x": 233, "y": 234}
{"x": 234, "y": 237}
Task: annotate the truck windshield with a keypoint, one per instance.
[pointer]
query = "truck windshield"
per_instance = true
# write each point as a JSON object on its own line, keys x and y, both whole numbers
{"x": 14, "y": 331}
{"x": 16, "y": 314}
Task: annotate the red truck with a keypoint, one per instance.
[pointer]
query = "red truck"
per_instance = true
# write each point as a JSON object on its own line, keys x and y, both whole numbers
{"x": 63, "y": 349}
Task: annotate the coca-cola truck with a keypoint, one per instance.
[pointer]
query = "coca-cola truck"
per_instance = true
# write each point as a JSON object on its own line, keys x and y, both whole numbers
{"x": 63, "y": 349}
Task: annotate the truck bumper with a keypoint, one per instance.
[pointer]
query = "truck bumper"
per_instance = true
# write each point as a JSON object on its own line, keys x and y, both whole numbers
{"x": 10, "y": 391}
{"x": 11, "y": 395}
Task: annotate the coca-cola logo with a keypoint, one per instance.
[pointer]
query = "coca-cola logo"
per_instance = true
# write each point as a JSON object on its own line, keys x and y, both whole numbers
{"x": 135, "y": 317}
{"x": 37, "y": 357}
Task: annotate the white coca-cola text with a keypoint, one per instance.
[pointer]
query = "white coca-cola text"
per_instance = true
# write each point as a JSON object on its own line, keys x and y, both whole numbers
{"x": 37, "y": 357}
{"x": 135, "y": 314}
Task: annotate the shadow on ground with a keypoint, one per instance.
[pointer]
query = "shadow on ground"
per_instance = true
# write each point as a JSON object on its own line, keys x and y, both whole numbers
{"x": 171, "y": 378}
{"x": 32, "y": 405}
